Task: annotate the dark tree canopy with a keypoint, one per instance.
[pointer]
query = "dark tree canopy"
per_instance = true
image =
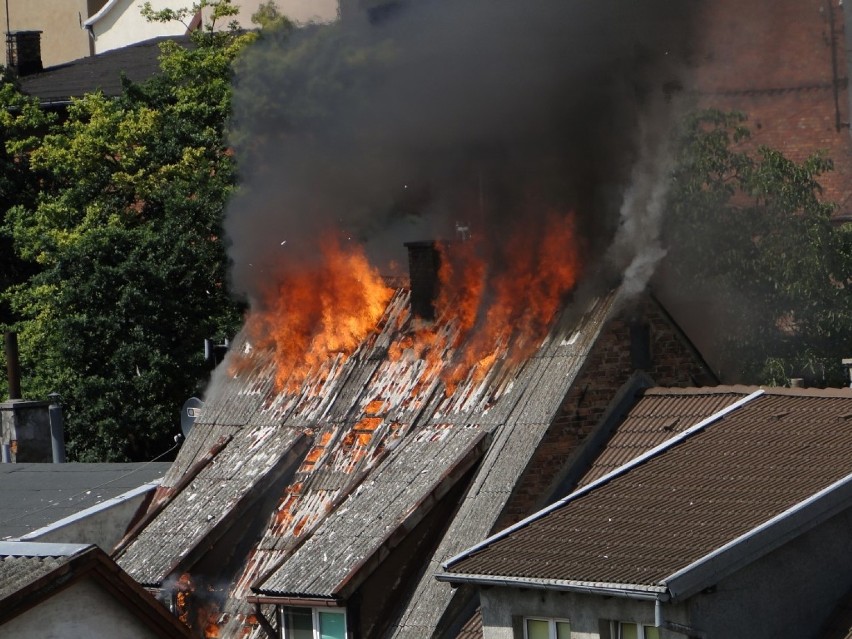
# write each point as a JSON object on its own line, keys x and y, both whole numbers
{"x": 752, "y": 243}
{"x": 125, "y": 229}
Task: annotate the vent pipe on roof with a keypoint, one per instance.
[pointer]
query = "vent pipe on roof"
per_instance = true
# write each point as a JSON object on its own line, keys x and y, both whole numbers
{"x": 13, "y": 366}
{"x": 57, "y": 429}
{"x": 424, "y": 260}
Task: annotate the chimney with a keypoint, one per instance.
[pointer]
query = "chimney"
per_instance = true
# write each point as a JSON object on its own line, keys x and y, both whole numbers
{"x": 423, "y": 264}
{"x": 23, "y": 52}
{"x": 847, "y": 365}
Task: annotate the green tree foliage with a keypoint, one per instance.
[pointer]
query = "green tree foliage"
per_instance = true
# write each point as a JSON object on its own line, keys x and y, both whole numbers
{"x": 21, "y": 124}
{"x": 752, "y": 240}
{"x": 126, "y": 231}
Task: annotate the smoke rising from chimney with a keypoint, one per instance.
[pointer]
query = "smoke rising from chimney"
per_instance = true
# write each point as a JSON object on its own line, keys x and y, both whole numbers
{"x": 395, "y": 125}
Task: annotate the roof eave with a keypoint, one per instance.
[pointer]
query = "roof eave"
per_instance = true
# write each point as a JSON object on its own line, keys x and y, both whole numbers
{"x": 760, "y": 541}
{"x": 624, "y": 591}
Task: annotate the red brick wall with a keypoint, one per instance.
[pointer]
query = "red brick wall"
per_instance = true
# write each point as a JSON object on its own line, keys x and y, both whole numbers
{"x": 607, "y": 369}
{"x": 772, "y": 59}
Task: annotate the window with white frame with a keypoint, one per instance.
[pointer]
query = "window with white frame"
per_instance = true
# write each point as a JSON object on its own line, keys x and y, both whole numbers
{"x": 546, "y": 628}
{"x": 313, "y": 623}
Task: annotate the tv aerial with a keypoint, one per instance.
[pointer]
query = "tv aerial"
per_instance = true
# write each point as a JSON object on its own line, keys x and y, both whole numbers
{"x": 190, "y": 411}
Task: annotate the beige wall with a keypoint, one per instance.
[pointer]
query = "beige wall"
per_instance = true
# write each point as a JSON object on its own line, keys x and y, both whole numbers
{"x": 63, "y": 38}
{"x": 81, "y": 610}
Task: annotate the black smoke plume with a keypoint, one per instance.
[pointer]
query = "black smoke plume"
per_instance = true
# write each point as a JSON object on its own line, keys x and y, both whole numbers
{"x": 404, "y": 120}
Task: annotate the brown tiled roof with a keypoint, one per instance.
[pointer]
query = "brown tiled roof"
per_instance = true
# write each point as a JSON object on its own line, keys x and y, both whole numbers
{"x": 702, "y": 491}
{"x": 472, "y": 629}
{"x": 661, "y": 414}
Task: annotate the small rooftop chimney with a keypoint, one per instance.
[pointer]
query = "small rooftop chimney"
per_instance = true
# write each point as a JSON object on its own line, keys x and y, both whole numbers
{"x": 423, "y": 264}
{"x": 23, "y": 52}
{"x": 847, "y": 364}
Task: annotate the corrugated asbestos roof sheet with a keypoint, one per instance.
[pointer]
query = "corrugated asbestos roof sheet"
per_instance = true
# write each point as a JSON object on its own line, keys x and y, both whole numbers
{"x": 370, "y": 417}
{"x": 539, "y": 390}
{"x": 18, "y": 570}
{"x": 395, "y": 495}
{"x": 215, "y": 495}
{"x": 681, "y": 504}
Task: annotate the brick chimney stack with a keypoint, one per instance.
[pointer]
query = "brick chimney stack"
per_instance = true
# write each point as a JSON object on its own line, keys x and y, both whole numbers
{"x": 23, "y": 52}
{"x": 423, "y": 263}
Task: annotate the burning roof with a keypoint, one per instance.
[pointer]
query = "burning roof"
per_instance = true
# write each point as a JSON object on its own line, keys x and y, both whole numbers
{"x": 355, "y": 449}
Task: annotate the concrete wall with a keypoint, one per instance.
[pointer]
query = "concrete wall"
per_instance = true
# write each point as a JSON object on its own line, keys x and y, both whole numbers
{"x": 84, "y": 609}
{"x": 25, "y": 426}
{"x": 788, "y": 593}
{"x": 503, "y": 607}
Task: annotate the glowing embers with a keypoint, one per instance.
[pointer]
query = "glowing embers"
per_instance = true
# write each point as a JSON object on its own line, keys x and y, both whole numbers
{"x": 198, "y": 605}
{"x": 318, "y": 307}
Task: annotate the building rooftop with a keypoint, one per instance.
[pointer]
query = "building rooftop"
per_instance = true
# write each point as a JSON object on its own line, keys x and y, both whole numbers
{"x": 33, "y": 496}
{"x": 749, "y": 471}
{"x": 55, "y": 86}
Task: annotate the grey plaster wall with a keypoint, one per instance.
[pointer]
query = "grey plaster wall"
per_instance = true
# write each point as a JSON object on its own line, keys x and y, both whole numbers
{"x": 585, "y": 612}
{"x": 81, "y": 610}
{"x": 788, "y": 593}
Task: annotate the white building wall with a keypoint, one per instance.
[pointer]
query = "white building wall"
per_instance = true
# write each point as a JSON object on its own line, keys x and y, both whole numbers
{"x": 119, "y": 23}
{"x": 84, "y": 609}
{"x": 500, "y": 607}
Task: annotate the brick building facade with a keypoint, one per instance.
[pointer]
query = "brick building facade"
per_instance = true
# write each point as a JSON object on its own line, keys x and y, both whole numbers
{"x": 784, "y": 63}
{"x": 643, "y": 338}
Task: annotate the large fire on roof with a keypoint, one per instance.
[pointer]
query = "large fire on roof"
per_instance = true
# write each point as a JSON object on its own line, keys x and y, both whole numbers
{"x": 542, "y": 128}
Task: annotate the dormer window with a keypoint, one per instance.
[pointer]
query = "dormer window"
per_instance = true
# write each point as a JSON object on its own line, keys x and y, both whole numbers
{"x": 313, "y": 623}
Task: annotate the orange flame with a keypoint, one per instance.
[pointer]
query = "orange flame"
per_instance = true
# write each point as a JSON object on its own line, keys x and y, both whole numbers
{"x": 509, "y": 301}
{"x": 501, "y": 300}
{"x": 319, "y": 309}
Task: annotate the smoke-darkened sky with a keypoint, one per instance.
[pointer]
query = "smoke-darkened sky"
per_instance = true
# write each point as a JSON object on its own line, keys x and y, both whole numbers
{"x": 456, "y": 111}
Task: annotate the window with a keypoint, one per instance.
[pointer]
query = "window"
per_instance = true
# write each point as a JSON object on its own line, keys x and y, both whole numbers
{"x": 313, "y": 623}
{"x": 540, "y": 628}
{"x": 626, "y": 630}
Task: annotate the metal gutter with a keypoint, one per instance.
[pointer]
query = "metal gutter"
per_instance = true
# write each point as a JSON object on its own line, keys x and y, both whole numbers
{"x": 40, "y": 549}
{"x": 641, "y": 459}
{"x": 316, "y": 602}
{"x": 761, "y": 540}
{"x": 638, "y": 591}
{"x": 109, "y": 6}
